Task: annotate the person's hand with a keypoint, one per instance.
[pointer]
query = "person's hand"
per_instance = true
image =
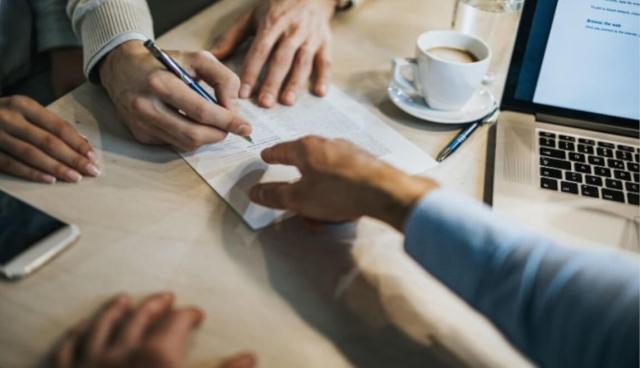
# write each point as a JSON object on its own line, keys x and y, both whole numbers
{"x": 37, "y": 145}
{"x": 66, "y": 70}
{"x": 340, "y": 182}
{"x": 159, "y": 108}
{"x": 293, "y": 37}
{"x": 155, "y": 334}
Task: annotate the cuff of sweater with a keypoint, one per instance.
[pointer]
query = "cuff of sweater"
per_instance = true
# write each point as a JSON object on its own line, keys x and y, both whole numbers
{"x": 109, "y": 25}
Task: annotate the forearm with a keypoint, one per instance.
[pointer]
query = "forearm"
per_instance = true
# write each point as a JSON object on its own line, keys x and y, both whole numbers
{"x": 104, "y": 25}
{"x": 562, "y": 307}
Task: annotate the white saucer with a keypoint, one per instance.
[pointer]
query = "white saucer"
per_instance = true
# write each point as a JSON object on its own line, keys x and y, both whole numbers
{"x": 481, "y": 105}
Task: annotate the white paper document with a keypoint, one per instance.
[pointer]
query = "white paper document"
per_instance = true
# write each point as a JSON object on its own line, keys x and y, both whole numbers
{"x": 232, "y": 167}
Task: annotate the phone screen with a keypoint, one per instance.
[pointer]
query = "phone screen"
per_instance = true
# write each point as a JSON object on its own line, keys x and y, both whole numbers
{"x": 21, "y": 227}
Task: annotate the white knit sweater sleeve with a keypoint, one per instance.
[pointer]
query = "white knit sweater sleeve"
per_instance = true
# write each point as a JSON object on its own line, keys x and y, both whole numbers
{"x": 101, "y": 25}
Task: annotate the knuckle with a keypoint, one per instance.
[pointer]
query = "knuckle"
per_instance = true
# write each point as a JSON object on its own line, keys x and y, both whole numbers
{"x": 79, "y": 161}
{"x": 155, "y": 82}
{"x": 59, "y": 169}
{"x": 204, "y": 56}
{"x": 138, "y": 105}
{"x": 200, "y": 113}
{"x": 20, "y": 102}
{"x": 26, "y": 151}
{"x": 192, "y": 139}
{"x": 261, "y": 50}
{"x": 49, "y": 143}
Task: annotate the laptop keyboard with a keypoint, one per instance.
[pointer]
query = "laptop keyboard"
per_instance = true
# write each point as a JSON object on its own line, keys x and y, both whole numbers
{"x": 589, "y": 167}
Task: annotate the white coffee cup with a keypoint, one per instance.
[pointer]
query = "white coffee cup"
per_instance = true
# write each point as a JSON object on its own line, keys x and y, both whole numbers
{"x": 444, "y": 84}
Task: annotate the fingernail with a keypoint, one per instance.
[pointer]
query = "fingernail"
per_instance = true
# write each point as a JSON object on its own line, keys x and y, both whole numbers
{"x": 243, "y": 130}
{"x": 92, "y": 169}
{"x": 290, "y": 98}
{"x": 84, "y": 136}
{"x": 267, "y": 99}
{"x": 92, "y": 156}
{"x": 245, "y": 90}
{"x": 72, "y": 176}
{"x": 48, "y": 179}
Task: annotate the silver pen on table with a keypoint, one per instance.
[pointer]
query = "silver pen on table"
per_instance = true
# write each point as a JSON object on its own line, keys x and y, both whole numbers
{"x": 464, "y": 134}
{"x": 179, "y": 72}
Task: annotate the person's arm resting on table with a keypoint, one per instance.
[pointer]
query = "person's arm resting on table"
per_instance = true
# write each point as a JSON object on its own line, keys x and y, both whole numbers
{"x": 561, "y": 307}
{"x": 156, "y": 106}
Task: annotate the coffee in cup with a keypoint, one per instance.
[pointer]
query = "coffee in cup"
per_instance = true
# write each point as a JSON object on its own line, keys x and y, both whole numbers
{"x": 449, "y": 68}
{"x": 452, "y": 54}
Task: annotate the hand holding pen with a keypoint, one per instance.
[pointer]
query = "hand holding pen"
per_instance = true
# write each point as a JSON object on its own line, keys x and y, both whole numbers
{"x": 179, "y": 72}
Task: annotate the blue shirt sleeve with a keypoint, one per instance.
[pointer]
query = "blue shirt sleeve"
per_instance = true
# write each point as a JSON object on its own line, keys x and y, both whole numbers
{"x": 561, "y": 306}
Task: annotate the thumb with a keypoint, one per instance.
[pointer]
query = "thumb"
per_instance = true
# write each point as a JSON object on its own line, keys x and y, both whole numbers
{"x": 226, "y": 43}
{"x": 244, "y": 360}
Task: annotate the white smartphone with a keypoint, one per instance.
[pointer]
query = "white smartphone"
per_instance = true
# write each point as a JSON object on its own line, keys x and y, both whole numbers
{"x": 29, "y": 237}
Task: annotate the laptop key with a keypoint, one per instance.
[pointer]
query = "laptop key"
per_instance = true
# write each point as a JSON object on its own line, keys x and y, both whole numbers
{"x": 624, "y": 155}
{"x": 622, "y": 175}
{"x": 576, "y": 157}
{"x": 633, "y": 198}
{"x": 622, "y": 147}
{"x": 613, "y": 195}
{"x": 574, "y": 177}
{"x": 567, "y": 138}
{"x": 551, "y": 173}
{"x": 590, "y": 142}
{"x": 550, "y": 184}
{"x": 550, "y": 152}
{"x": 590, "y": 191}
{"x": 632, "y": 187}
{"x": 582, "y": 168}
{"x": 593, "y": 180}
{"x": 606, "y": 145}
{"x": 548, "y": 142}
{"x": 567, "y": 187}
{"x": 616, "y": 164}
{"x": 547, "y": 134}
{"x": 636, "y": 177}
{"x": 604, "y": 152}
{"x": 636, "y": 156}
{"x": 567, "y": 146}
{"x": 602, "y": 171}
{"x": 613, "y": 184}
{"x": 585, "y": 149}
{"x": 595, "y": 160}
{"x": 555, "y": 163}
{"x": 632, "y": 166}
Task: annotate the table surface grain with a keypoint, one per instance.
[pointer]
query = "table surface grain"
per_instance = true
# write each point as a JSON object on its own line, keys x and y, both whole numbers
{"x": 346, "y": 296}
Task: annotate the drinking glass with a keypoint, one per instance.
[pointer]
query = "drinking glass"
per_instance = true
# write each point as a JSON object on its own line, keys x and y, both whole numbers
{"x": 494, "y": 21}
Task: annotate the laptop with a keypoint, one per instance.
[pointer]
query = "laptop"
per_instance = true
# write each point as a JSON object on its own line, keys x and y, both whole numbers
{"x": 567, "y": 146}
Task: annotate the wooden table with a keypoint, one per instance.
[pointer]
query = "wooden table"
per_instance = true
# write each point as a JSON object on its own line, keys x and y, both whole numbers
{"x": 348, "y": 296}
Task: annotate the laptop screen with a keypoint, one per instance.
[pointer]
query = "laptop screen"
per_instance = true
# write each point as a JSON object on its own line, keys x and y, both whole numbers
{"x": 578, "y": 59}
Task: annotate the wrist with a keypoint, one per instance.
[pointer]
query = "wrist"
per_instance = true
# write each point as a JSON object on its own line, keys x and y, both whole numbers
{"x": 396, "y": 195}
{"x": 107, "y": 65}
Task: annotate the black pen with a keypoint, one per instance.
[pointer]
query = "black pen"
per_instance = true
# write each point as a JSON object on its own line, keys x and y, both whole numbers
{"x": 463, "y": 135}
{"x": 179, "y": 72}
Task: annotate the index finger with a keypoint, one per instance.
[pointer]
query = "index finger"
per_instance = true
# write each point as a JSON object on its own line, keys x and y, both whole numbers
{"x": 257, "y": 56}
{"x": 287, "y": 153}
